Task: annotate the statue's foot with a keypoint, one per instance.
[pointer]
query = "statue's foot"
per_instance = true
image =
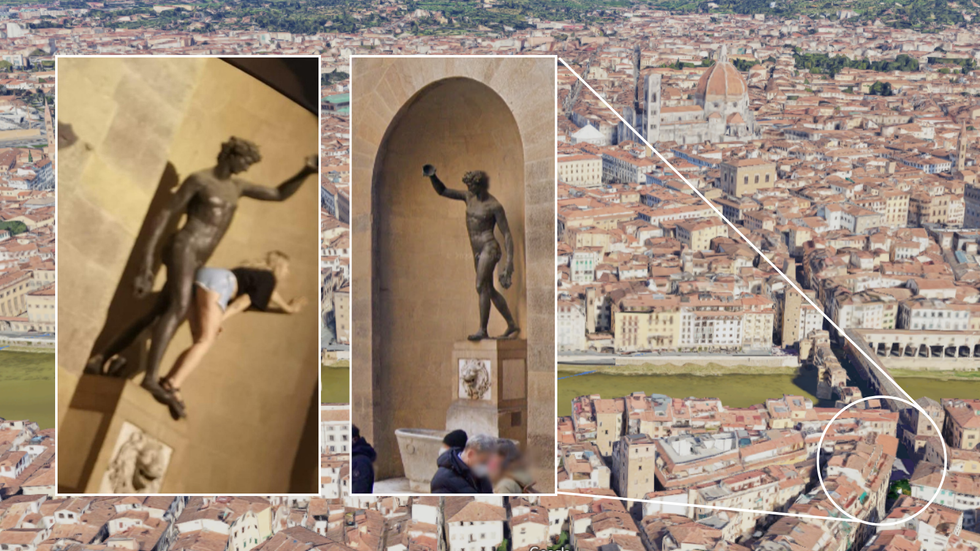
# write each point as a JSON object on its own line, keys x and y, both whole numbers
{"x": 116, "y": 365}
{"x": 95, "y": 364}
{"x": 176, "y": 407}
{"x": 512, "y": 332}
{"x": 154, "y": 388}
{"x": 478, "y": 336}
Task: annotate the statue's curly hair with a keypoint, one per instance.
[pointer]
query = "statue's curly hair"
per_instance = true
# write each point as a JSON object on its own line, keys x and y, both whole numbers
{"x": 477, "y": 177}
{"x": 240, "y": 148}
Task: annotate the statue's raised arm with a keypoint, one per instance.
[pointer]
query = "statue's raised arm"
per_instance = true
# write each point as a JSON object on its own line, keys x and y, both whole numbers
{"x": 284, "y": 190}
{"x": 429, "y": 172}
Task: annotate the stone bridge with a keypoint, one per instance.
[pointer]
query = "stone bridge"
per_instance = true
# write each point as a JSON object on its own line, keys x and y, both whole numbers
{"x": 900, "y": 344}
{"x": 868, "y": 371}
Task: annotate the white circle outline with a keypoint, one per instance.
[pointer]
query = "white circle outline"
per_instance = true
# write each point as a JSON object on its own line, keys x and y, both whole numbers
{"x": 941, "y": 480}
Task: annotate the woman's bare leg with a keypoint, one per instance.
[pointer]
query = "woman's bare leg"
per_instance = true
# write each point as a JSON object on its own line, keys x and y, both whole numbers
{"x": 206, "y": 317}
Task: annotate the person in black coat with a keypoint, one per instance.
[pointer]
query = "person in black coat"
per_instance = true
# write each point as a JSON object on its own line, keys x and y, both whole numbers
{"x": 464, "y": 471}
{"x": 362, "y": 464}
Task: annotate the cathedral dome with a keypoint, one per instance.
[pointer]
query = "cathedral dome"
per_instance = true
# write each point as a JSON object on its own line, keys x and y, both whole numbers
{"x": 721, "y": 82}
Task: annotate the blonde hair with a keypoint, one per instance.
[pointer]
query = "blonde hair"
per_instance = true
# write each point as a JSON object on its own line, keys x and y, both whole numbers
{"x": 267, "y": 262}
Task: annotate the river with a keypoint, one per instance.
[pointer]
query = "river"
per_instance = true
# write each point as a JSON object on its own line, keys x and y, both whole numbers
{"x": 737, "y": 390}
{"x": 335, "y": 384}
{"x": 27, "y": 388}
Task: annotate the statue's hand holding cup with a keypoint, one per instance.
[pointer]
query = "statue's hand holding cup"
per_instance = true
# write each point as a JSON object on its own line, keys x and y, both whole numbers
{"x": 428, "y": 171}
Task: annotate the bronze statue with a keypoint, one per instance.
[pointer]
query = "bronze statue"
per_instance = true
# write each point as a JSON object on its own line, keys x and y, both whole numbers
{"x": 209, "y": 198}
{"x": 483, "y": 213}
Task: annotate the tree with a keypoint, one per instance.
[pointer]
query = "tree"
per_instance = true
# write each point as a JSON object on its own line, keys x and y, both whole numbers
{"x": 899, "y": 487}
{"x": 14, "y": 227}
{"x": 562, "y": 540}
{"x": 881, "y": 89}
{"x": 745, "y": 64}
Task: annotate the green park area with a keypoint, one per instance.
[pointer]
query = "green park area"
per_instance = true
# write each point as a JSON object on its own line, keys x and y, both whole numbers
{"x": 335, "y": 383}
{"x": 27, "y": 389}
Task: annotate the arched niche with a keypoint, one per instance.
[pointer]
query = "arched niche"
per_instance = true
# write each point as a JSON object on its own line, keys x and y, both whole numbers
{"x": 426, "y": 282}
{"x": 425, "y": 285}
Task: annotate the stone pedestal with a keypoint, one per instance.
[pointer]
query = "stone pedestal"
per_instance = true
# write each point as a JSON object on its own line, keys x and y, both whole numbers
{"x": 111, "y": 425}
{"x": 490, "y": 389}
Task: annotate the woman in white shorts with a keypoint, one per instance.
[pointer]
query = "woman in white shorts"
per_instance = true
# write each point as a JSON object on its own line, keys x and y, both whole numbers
{"x": 220, "y": 294}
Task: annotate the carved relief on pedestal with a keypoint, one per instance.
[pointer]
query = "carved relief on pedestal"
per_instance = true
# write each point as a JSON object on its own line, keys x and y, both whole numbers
{"x": 474, "y": 379}
{"x": 138, "y": 463}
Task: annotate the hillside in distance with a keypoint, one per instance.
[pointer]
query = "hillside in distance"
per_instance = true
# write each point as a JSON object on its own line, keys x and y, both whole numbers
{"x": 921, "y": 15}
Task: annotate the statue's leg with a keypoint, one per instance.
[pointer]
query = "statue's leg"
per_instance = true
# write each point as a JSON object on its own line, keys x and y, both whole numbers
{"x": 484, "y": 288}
{"x": 181, "y": 288}
{"x": 122, "y": 341}
{"x": 500, "y": 303}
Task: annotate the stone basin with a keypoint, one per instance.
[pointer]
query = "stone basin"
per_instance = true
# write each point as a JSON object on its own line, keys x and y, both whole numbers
{"x": 419, "y": 450}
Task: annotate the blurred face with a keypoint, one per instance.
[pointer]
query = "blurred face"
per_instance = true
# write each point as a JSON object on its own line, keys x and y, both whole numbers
{"x": 477, "y": 462}
{"x": 496, "y": 468}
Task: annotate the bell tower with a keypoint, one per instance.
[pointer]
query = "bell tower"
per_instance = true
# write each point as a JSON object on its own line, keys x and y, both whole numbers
{"x": 961, "y": 147}
{"x": 652, "y": 107}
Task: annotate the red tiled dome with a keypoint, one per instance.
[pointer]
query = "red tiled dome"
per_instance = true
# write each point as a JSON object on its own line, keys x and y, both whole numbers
{"x": 721, "y": 82}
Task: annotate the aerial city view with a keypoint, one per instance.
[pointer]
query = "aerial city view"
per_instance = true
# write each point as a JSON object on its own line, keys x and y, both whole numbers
{"x": 701, "y": 397}
{"x": 691, "y": 371}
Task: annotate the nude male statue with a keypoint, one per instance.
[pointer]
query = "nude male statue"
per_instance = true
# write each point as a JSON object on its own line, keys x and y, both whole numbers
{"x": 483, "y": 213}
{"x": 209, "y": 198}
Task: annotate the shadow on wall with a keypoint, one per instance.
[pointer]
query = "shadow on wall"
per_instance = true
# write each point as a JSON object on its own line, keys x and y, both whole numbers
{"x": 125, "y": 309}
{"x": 307, "y": 461}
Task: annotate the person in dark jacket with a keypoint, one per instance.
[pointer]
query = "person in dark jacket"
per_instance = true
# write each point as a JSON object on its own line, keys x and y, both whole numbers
{"x": 362, "y": 464}
{"x": 464, "y": 471}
